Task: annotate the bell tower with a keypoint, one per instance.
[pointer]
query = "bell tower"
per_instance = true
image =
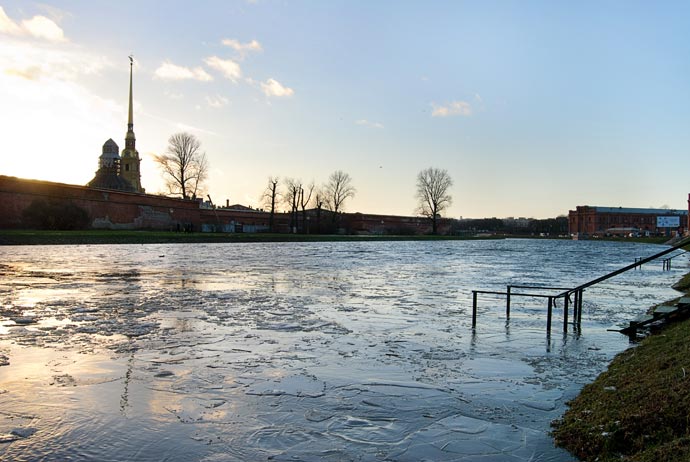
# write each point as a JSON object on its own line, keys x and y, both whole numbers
{"x": 130, "y": 162}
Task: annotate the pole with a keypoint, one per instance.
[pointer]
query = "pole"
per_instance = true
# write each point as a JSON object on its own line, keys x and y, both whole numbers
{"x": 548, "y": 315}
{"x": 565, "y": 316}
{"x": 474, "y": 309}
{"x": 566, "y": 302}
{"x": 508, "y": 303}
{"x": 575, "y": 305}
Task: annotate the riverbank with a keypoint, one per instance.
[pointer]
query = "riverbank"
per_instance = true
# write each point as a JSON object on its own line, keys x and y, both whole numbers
{"x": 638, "y": 409}
{"x": 39, "y": 237}
{"x": 27, "y": 237}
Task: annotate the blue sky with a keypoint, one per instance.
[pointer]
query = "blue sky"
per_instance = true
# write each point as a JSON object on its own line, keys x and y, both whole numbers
{"x": 532, "y": 107}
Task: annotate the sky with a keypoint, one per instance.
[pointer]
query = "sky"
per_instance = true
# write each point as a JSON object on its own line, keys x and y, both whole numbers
{"x": 533, "y": 107}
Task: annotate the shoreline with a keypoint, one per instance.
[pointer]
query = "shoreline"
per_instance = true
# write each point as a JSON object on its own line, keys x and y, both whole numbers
{"x": 636, "y": 410}
{"x": 95, "y": 237}
{"x": 88, "y": 237}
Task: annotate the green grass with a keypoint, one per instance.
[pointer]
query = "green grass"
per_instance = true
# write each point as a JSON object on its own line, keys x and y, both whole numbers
{"x": 25, "y": 237}
{"x": 639, "y": 409}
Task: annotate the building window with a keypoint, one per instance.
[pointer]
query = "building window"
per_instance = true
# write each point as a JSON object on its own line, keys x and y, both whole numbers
{"x": 126, "y": 167}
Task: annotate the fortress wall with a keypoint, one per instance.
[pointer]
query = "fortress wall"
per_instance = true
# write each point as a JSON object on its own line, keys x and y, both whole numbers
{"x": 109, "y": 209}
{"x": 106, "y": 208}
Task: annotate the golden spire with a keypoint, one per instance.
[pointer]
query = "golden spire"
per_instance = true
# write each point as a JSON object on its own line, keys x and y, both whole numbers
{"x": 130, "y": 121}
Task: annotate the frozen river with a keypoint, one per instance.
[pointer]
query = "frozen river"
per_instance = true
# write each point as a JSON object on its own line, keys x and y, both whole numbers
{"x": 357, "y": 351}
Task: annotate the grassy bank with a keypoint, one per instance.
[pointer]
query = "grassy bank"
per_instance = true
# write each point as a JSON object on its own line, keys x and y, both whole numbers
{"x": 22, "y": 237}
{"x": 639, "y": 409}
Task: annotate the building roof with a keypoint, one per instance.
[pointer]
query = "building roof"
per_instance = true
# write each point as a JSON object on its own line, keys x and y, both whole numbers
{"x": 106, "y": 179}
{"x": 640, "y": 211}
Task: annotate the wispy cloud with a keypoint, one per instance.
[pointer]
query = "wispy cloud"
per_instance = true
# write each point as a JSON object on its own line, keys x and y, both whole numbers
{"x": 39, "y": 27}
{"x": 229, "y": 68}
{"x": 272, "y": 87}
{"x": 217, "y": 101}
{"x": 367, "y": 123}
{"x": 191, "y": 128}
{"x": 243, "y": 48}
{"x": 454, "y": 108}
{"x": 172, "y": 95}
{"x": 170, "y": 71}
{"x": 33, "y": 61}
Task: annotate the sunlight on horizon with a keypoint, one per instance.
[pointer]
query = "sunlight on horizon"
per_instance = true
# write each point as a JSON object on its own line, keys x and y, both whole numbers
{"x": 284, "y": 102}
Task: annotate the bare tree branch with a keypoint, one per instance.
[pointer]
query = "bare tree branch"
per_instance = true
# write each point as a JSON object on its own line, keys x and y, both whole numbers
{"x": 337, "y": 190}
{"x": 270, "y": 197}
{"x": 432, "y": 194}
{"x": 184, "y": 166}
{"x": 291, "y": 197}
{"x": 305, "y": 194}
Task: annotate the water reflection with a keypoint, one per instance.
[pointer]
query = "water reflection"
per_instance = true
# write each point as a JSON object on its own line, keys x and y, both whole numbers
{"x": 301, "y": 351}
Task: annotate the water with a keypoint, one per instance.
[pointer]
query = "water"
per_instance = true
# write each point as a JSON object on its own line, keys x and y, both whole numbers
{"x": 316, "y": 351}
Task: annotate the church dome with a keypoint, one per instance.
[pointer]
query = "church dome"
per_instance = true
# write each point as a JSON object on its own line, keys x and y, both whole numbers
{"x": 110, "y": 156}
{"x": 110, "y": 147}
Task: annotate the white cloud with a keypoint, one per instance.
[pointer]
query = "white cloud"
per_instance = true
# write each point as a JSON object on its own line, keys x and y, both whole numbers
{"x": 44, "y": 28}
{"x": 366, "y": 123}
{"x": 38, "y": 27}
{"x": 34, "y": 61}
{"x": 217, "y": 101}
{"x": 453, "y": 108}
{"x": 170, "y": 71}
{"x": 274, "y": 88}
{"x": 229, "y": 68}
{"x": 243, "y": 48}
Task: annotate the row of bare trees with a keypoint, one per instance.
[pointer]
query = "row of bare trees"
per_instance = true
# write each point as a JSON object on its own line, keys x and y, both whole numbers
{"x": 298, "y": 196}
{"x": 185, "y": 168}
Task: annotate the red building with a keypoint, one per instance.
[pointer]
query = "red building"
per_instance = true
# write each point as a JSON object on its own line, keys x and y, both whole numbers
{"x": 610, "y": 221}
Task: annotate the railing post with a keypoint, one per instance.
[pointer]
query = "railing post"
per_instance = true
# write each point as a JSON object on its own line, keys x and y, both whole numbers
{"x": 576, "y": 305}
{"x": 565, "y": 316}
{"x": 566, "y": 301}
{"x": 579, "y": 308}
{"x": 508, "y": 302}
{"x": 474, "y": 309}
{"x": 548, "y": 315}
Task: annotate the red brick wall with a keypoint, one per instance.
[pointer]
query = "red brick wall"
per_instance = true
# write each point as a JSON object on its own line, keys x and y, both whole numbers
{"x": 125, "y": 210}
{"x": 107, "y": 209}
{"x": 590, "y": 221}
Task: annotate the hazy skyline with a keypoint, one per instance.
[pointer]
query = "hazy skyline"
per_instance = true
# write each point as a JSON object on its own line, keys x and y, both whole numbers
{"x": 532, "y": 107}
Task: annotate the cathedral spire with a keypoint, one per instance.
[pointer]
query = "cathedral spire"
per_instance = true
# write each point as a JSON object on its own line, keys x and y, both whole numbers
{"x": 130, "y": 120}
{"x": 130, "y": 161}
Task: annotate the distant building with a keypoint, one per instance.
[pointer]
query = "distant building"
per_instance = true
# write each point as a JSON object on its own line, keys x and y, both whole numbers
{"x": 115, "y": 171}
{"x": 602, "y": 221}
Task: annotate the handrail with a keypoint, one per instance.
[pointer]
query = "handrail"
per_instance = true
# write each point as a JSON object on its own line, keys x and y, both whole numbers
{"x": 581, "y": 287}
{"x": 667, "y": 261}
{"x": 576, "y": 291}
{"x": 521, "y": 286}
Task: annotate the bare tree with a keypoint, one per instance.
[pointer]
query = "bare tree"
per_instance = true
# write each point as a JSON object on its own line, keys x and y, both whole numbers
{"x": 305, "y": 194}
{"x": 269, "y": 199}
{"x": 337, "y": 190}
{"x": 318, "y": 203}
{"x": 184, "y": 166}
{"x": 432, "y": 193}
{"x": 291, "y": 196}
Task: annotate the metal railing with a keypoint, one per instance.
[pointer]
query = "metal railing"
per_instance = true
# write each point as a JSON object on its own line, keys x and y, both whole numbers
{"x": 570, "y": 295}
